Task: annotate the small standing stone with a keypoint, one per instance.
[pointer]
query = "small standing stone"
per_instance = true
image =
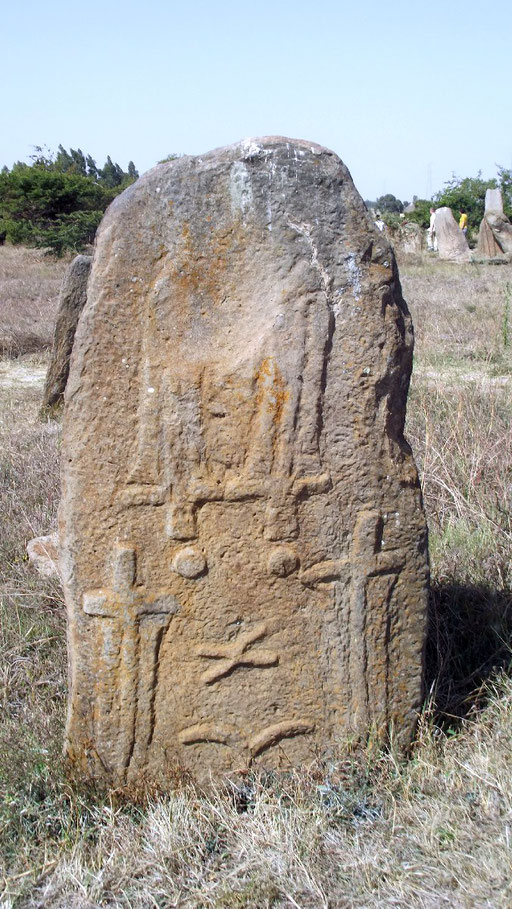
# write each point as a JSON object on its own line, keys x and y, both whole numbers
{"x": 72, "y": 299}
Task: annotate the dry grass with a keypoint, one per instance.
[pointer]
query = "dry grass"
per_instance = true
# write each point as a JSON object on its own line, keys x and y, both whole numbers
{"x": 458, "y": 313}
{"x": 29, "y": 287}
{"x": 460, "y": 427}
{"x": 371, "y": 830}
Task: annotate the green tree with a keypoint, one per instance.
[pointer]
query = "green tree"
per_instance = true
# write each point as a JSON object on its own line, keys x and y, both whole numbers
{"x": 390, "y": 203}
{"x": 468, "y": 195}
{"x": 92, "y": 170}
{"x": 421, "y": 213}
{"x": 41, "y": 207}
{"x": 58, "y": 201}
{"x": 79, "y": 165}
{"x": 132, "y": 171}
{"x": 63, "y": 161}
{"x": 505, "y": 184}
{"x": 111, "y": 174}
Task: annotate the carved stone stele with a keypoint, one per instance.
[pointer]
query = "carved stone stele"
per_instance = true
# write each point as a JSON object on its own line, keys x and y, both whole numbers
{"x": 243, "y": 543}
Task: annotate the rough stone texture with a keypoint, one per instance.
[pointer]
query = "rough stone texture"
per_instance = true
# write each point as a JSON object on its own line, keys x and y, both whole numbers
{"x": 44, "y": 555}
{"x": 493, "y": 201}
{"x": 487, "y": 245}
{"x": 451, "y": 242}
{"x": 72, "y": 299}
{"x": 495, "y": 234}
{"x": 243, "y": 541}
{"x": 408, "y": 239}
{"x": 502, "y": 231}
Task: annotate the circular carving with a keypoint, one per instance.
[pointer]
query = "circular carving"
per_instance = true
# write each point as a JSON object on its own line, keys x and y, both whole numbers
{"x": 189, "y": 562}
{"x": 282, "y": 561}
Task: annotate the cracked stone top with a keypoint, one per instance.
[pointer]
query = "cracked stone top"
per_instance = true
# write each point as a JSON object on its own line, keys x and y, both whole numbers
{"x": 242, "y": 539}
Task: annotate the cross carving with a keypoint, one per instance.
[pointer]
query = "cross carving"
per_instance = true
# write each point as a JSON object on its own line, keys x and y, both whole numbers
{"x": 283, "y": 494}
{"x": 133, "y": 621}
{"x": 235, "y": 654}
{"x": 181, "y": 522}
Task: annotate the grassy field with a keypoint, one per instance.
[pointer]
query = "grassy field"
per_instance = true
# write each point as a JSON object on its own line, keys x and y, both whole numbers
{"x": 29, "y": 288}
{"x": 373, "y": 830}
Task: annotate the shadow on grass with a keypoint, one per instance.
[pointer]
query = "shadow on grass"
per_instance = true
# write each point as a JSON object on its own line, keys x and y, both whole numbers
{"x": 469, "y": 640}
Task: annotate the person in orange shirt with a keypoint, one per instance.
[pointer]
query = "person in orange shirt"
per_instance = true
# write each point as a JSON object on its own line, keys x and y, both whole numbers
{"x": 463, "y": 222}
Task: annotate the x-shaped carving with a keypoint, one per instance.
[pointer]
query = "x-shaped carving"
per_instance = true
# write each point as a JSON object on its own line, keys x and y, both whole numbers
{"x": 236, "y": 653}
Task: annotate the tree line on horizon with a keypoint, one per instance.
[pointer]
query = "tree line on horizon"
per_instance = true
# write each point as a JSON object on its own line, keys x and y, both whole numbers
{"x": 461, "y": 194}
{"x": 58, "y": 200}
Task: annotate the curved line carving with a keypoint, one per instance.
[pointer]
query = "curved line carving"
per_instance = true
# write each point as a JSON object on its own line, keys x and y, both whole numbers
{"x": 273, "y": 734}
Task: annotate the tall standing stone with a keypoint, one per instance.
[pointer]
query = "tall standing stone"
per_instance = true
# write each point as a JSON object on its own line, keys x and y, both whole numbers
{"x": 242, "y": 537}
{"x": 502, "y": 231}
{"x": 495, "y": 234}
{"x": 73, "y": 295}
{"x": 487, "y": 245}
{"x": 451, "y": 242}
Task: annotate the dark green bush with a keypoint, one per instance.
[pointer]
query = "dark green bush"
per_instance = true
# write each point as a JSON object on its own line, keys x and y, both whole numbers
{"x": 58, "y": 203}
{"x": 421, "y": 213}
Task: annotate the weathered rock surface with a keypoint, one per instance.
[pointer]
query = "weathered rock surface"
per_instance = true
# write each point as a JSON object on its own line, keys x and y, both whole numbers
{"x": 451, "y": 242}
{"x": 502, "y": 231}
{"x": 495, "y": 234}
{"x": 43, "y": 553}
{"x": 487, "y": 245}
{"x": 493, "y": 201}
{"x": 242, "y": 537}
{"x": 408, "y": 239}
{"x": 72, "y": 299}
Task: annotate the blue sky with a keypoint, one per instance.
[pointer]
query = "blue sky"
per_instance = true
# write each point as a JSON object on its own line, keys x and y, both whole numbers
{"x": 406, "y": 92}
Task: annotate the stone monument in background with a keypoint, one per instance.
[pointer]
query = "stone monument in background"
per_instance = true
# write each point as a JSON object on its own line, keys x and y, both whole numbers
{"x": 73, "y": 295}
{"x": 243, "y": 544}
{"x": 451, "y": 242}
{"x": 495, "y": 234}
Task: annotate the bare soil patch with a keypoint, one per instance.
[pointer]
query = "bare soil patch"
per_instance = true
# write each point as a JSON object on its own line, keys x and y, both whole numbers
{"x": 25, "y": 372}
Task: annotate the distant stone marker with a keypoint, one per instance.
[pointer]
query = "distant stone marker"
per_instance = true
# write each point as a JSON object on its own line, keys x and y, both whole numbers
{"x": 502, "y": 231}
{"x": 487, "y": 245}
{"x": 451, "y": 242}
{"x": 408, "y": 239}
{"x": 493, "y": 201}
{"x": 71, "y": 302}
{"x": 495, "y": 234}
{"x": 242, "y": 538}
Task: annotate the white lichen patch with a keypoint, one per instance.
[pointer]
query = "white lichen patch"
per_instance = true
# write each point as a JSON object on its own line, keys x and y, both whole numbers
{"x": 305, "y": 231}
{"x": 240, "y": 189}
{"x": 354, "y": 276}
{"x": 251, "y": 149}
